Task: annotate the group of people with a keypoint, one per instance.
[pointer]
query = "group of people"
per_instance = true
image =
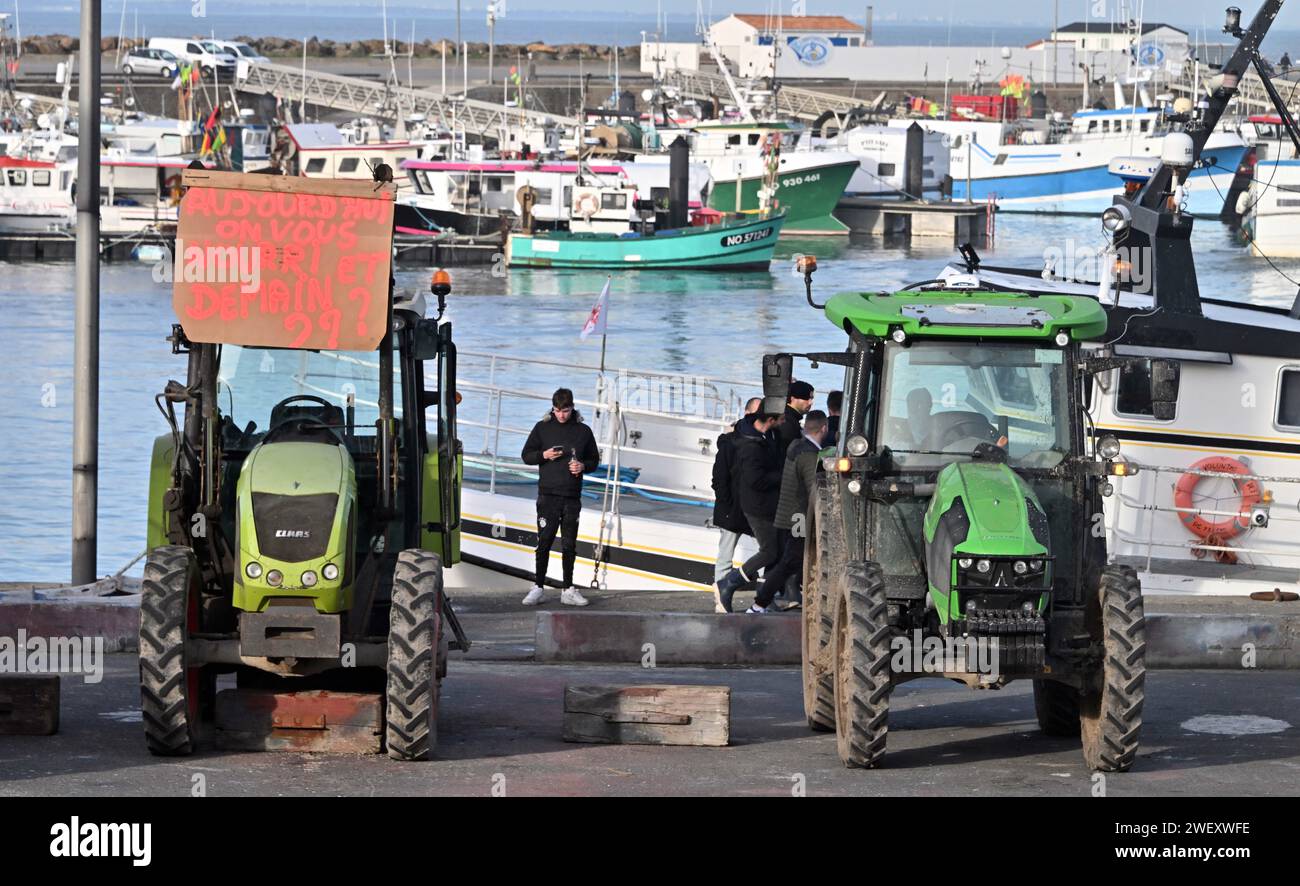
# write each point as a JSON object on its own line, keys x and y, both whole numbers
{"x": 763, "y": 474}
{"x": 762, "y": 477}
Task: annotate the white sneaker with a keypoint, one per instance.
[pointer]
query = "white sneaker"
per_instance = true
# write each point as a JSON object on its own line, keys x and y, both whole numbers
{"x": 571, "y": 597}
{"x": 534, "y": 596}
{"x": 755, "y": 609}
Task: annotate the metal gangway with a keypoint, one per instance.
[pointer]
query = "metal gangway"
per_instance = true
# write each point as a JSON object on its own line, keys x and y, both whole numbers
{"x": 384, "y": 99}
{"x": 805, "y": 104}
{"x": 1251, "y": 97}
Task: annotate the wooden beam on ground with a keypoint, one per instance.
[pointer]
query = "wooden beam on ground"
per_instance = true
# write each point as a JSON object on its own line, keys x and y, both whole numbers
{"x": 665, "y": 715}
{"x": 29, "y": 704}
{"x": 315, "y": 721}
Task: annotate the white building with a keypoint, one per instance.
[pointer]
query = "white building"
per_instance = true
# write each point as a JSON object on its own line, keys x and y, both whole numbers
{"x": 1160, "y": 45}
{"x": 825, "y": 46}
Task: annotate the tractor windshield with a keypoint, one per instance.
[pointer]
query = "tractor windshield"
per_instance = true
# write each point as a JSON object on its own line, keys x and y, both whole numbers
{"x": 252, "y": 381}
{"x": 941, "y": 400}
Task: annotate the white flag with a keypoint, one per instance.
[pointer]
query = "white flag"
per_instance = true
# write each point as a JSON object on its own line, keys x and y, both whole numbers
{"x": 599, "y": 312}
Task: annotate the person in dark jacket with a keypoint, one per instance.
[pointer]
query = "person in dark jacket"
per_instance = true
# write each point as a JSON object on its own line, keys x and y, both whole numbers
{"x": 799, "y": 400}
{"x": 797, "y": 477}
{"x": 756, "y": 479}
{"x": 564, "y": 449}
{"x": 727, "y": 516}
{"x": 834, "y": 403}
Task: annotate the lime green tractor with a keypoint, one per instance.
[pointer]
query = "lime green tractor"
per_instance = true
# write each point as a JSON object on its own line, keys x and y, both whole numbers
{"x": 301, "y": 512}
{"x": 955, "y": 531}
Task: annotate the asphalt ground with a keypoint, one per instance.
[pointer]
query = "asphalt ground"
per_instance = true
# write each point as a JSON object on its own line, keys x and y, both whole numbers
{"x": 500, "y": 729}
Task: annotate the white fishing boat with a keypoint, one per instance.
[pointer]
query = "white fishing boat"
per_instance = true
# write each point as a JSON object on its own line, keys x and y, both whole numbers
{"x": 36, "y": 195}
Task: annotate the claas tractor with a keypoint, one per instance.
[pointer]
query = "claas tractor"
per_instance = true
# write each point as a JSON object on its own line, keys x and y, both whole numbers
{"x": 955, "y": 530}
{"x": 302, "y": 508}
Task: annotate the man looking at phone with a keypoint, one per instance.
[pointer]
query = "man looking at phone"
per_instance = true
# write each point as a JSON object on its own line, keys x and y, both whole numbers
{"x": 564, "y": 449}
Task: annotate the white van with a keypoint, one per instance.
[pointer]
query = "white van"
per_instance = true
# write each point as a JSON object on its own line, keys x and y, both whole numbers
{"x": 193, "y": 51}
{"x": 240, "y": 51}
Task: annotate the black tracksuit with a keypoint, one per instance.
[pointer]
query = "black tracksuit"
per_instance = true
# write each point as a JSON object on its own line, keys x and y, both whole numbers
{"x": 559, "y": 492}
{"x": 757, "y": 484}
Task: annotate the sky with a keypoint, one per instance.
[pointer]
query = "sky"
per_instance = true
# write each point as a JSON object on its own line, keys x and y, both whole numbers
{"x": 1186, "y": 13}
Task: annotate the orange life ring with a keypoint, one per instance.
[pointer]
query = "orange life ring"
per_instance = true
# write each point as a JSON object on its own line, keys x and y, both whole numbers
{"x": 587, "y": 205}
{"x": 1220, "y": 530}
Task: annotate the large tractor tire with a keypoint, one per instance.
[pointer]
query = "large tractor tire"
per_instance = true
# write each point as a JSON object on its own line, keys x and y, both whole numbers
{"x": 825, "y": 546}
{"x": 863, "y": 680}
{"x": 414, "y": 638}
{"x": 1111, "y": 713}
{"x": 172, "y": 689}
{"x": 1057, "y": 707}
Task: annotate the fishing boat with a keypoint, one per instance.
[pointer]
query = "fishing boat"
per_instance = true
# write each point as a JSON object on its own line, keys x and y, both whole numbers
{"x": 808, "y": 182}
{"x": 724, "y": 246}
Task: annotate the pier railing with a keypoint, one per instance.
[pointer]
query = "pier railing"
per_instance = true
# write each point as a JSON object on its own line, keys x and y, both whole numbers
{"x": 1251, "y": 552}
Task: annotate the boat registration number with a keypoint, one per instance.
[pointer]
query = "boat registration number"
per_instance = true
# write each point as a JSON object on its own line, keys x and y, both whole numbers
{"x": 800, "y": 180}
{"x": 546, "y": 246}
{"x": 747, "y": 237}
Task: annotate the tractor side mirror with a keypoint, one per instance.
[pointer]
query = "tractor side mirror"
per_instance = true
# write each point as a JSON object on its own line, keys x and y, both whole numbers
{"x": 777, "y": 370}
{"x": 425, "y": 346}
{"x": 1164, "y": 389}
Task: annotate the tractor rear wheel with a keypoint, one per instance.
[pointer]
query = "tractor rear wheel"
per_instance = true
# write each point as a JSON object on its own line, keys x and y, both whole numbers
{"x": 1111, "y": 714}
{"x": 863, "y": 680}
{"x": 172, "y": 688}
{"x": 825, "y": 546}
{"x": 1057, "y": 708}
{"x": 414, "y": 629}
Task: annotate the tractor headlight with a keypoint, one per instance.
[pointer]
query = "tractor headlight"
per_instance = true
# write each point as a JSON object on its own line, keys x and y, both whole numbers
{"x": 1036, "y": 565}
{"x": 965, "y": 562}
{"x": 983, "y": 567}
{"x": 273, "y": 578}
{"x": 308, "y": 579}
{"x": 856, "y": 445}
{"x": 253, "y": 570}
{"x": 330, "y": 572}
{"x": 1108, "y": 447}
{"x": 1020, "y": 566}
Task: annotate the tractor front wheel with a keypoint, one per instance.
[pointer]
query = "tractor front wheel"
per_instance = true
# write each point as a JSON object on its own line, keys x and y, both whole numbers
{"x": 172, "y": 688}
{"x": 863, "y": 680}
{"x": 414, "y": 639}
{"x": 824, "y": 550}
{"x": 1111, "y": 713}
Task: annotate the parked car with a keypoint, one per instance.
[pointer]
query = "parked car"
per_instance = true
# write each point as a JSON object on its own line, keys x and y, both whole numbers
{"x": 241, "y": 51}
{"x": 150, "y": 61}
{"x": 193, "y": 52}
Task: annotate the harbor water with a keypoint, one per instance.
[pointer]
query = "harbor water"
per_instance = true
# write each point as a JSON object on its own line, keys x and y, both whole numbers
{"x": 692, "y": 324}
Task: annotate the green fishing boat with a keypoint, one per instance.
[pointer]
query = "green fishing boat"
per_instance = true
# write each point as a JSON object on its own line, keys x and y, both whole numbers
{"x": 807, "y": 184}
{"x": 731, "y": 245}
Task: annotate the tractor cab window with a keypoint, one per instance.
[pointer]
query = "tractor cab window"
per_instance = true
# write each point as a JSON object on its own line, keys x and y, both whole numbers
{"x": 256, "y": 383}
{"x": 939, "y": 401}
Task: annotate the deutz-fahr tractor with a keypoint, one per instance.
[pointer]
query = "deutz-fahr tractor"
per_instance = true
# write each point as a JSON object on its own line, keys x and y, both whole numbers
{"x": 300, "y": 515}
{"x": 960, "y": 515}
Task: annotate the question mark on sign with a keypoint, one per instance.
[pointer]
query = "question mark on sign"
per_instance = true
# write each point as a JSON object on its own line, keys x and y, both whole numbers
{"x": 365, "y": 308}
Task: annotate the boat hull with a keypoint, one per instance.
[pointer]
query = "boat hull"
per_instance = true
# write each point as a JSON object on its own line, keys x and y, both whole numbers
{"x": 730, "y": 247}
{"x": 1046, "y": 179}
{"x": 808, "y": 194}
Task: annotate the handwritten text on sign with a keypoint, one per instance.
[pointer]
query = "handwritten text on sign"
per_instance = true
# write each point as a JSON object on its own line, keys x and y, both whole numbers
{"x": 283, "y": 269}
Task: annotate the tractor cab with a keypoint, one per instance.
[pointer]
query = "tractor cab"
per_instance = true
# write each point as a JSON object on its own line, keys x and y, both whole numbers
{"x": 960, "y": 512}
{"x": 306, "y": 500}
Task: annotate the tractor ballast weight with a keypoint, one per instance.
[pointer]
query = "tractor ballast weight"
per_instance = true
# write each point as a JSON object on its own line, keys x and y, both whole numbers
{"x": 960, "y": 507}
{"x": 301, "y": 512}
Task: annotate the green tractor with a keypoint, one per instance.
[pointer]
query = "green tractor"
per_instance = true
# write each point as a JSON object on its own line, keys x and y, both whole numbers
{"x": 956, "y": 529}
{"x": 300, "y": 516}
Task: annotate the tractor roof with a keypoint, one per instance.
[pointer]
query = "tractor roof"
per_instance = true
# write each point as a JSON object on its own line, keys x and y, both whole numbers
{"x": 951, "y": 314}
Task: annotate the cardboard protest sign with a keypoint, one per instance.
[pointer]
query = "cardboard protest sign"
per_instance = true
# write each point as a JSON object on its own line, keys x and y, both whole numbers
{"x": 282, "y": 261}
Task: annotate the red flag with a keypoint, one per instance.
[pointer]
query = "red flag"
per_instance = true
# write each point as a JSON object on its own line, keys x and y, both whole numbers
{"x": 596, "y": 320}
